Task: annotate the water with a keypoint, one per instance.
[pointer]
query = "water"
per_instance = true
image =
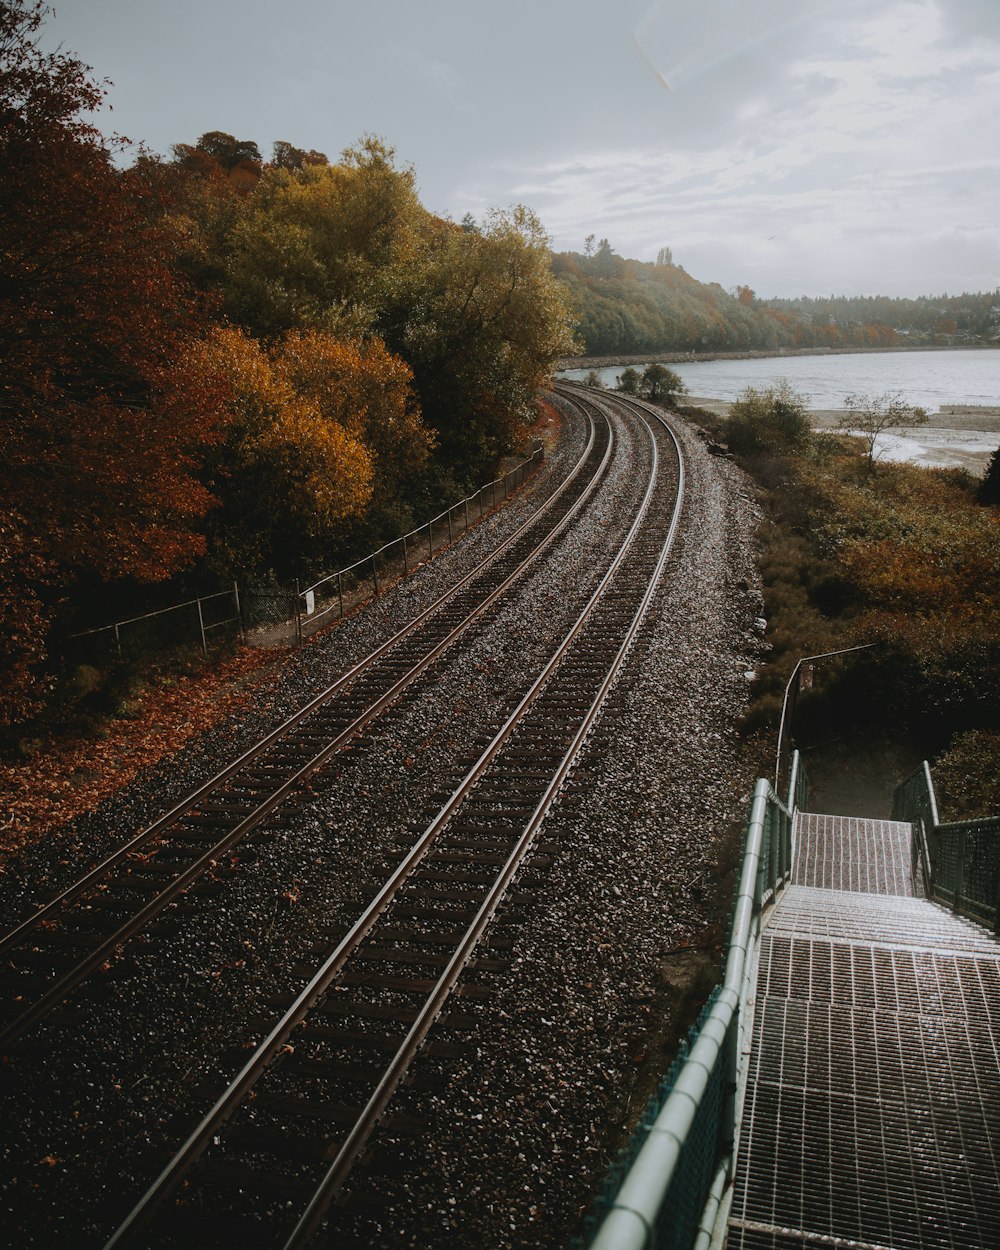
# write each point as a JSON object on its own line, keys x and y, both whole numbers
{"x": 926, "y": 379}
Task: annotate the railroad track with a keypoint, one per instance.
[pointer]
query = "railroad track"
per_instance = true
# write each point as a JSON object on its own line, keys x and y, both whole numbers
{"x": 85, "y": 928}
{"x": 276, "y": 1149}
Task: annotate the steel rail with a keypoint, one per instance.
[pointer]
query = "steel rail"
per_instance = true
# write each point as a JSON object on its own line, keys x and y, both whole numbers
{"x": 255, "y": 1066}
{"x": 47, "y": 910}
{"x": 357, "y": 1139}
{"x": 140, "y": 919}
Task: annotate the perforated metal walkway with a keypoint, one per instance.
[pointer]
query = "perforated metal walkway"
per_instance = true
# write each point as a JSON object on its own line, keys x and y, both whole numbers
{"x": 872, "y": 1113}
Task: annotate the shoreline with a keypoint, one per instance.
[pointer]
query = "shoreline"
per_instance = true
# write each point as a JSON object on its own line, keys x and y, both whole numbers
{"x": 959, "y": 436}
{"x": 681, "y": 358}
{"x": 967, "y": 418}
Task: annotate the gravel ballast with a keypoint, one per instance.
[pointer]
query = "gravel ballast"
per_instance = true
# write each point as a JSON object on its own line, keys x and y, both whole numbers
{"x": 531, "y": 1117}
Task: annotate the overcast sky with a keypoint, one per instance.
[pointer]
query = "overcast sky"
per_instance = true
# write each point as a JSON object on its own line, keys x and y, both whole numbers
{"x": 803, "y": 147}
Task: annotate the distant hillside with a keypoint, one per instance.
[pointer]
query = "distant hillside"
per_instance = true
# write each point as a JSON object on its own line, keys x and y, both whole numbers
{"x": 629, "y": 307}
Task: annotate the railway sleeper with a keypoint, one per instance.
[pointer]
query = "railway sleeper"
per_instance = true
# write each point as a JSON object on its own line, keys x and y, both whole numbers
{"x": 216, "y": 1174}
{"x": 336, "y": 1113}
{"x": 350, "y": 1039}
{"x": 335, "y": 1008}
{"x": 410, "y": 985}
{"x": 214, "y": 1229}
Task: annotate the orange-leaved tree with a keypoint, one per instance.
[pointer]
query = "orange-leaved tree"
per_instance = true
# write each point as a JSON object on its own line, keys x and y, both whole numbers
{"x": 309, "y": 422}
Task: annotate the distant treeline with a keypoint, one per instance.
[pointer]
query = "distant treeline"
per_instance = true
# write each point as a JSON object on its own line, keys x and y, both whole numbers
{"x": 631, "y": 307}
{"x": 973, "y": 315}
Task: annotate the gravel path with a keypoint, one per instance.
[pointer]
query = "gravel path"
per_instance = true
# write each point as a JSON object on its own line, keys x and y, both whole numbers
{"x": 524, "y": 1132}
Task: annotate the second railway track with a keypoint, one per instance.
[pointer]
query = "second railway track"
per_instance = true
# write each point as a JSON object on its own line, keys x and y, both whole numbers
{"x": 293, "y": 1130}
{"x": 64, "y": 941}
{"x": 276, "y": 1149}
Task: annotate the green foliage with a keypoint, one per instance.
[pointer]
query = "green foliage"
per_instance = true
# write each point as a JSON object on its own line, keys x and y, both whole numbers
{"x": 771, "y": 419}
{"x": 629, "y": 307}
{"x": 629, "y": 381}
{"x": 593, "y": 379}
{"x": 841, "y": 315}
{"x": 659, "y": 383}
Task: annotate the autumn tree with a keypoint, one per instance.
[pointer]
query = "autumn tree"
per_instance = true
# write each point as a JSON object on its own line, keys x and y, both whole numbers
{"x": 870, "y": 416}
{"x": 482, "y": 322}
{"x": 348, "y": 249}
{"x": 103, "y": 431}
{"x": 225, "y": 149}
{"x": 320, "y": 430}
{"x": 363, "y": 388}
{"x": 92, "y": 321}
{"x": 286, "y": 156}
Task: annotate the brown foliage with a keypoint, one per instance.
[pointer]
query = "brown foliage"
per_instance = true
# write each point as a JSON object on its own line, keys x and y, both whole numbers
{"x": 101, "y": 431}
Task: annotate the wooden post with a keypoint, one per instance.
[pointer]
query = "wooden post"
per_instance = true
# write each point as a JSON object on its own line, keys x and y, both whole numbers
{"x": 340, "y": 593}
{"x": 406, "y": 565}
{"x": 430, "y": 542}
{"x": 375, "y": 574}
{"x": 298, "y": 614}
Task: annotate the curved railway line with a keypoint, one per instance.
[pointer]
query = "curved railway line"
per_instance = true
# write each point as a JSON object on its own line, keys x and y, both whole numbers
{"x": 241, "y": 1174}
{"x": 285, "y": 1145}
{"x": 56, "y": 948}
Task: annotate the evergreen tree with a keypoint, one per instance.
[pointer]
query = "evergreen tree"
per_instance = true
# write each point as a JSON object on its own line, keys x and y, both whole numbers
{"x": 989, "y": 490}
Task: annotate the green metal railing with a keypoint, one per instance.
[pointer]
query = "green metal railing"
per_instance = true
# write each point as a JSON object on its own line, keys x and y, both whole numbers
{"x": 668, "y": 1191}
{"x": 960, "y": 859}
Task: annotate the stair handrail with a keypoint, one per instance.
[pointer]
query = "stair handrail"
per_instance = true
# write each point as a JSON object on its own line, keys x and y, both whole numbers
{"x": 960, "y": 859}
{"x": 676, "y": 1190}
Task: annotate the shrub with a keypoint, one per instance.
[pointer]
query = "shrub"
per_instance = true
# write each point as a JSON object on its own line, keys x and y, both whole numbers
{"x": 967, "y": 777}
{"x": 772, "y": 420}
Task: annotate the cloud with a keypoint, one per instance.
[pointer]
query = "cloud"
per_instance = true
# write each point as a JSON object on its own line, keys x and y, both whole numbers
{"x": 867, "y": 159}
{"x": 795, "y": 146}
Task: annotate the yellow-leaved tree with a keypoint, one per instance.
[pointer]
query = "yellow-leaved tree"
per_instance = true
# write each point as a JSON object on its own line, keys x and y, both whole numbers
{"x": 291, "y": 477}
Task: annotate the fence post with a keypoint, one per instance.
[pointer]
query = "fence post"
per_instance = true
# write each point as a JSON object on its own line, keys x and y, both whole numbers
{"x": 466, "y": 502}
{"x": 118, "y": 644}
{"x": 430, "y": 542}
{"x": 481, "y": 489}
{"x": 451, "y": 537}
{"x": 375, "y": 573}
{"x": 201, "y": 627}
{"x": 958, "y": 885}
{"x": 239, "y": 610}
{"x": 996, "y": 907}
{"x": 298, "y": 614}
{"x": 340, "y": 593}
{"x": 406, "y": 566}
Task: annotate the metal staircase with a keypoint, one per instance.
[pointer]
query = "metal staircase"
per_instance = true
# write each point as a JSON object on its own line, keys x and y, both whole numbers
{"x": 844, "y": 1090}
